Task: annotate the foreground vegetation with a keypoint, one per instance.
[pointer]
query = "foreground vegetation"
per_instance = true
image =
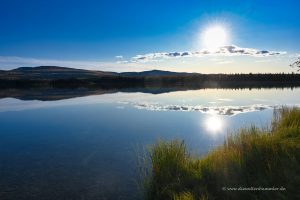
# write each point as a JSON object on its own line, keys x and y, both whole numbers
{"x": 251, "y": 164}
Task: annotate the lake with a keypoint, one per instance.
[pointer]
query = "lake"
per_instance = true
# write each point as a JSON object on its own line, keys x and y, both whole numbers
{"x": 86, "y": 147}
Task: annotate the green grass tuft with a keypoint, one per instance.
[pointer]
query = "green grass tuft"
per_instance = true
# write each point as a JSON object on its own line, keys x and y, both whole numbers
{"x": 252, "y": 157}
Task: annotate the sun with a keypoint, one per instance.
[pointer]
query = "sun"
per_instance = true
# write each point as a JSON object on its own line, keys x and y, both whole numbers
{"x": 214, "y": 37}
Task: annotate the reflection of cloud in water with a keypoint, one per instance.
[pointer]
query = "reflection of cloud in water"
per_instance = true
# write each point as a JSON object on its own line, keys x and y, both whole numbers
{"x": 220, "y": 110}
{"x": 262, "y": 100}
{"x": 12, "y": 104}
{"x": 213, "y": 102}
{"x": 223, "y": 99}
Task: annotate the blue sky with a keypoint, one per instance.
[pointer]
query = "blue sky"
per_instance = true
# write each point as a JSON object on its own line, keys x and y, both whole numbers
{"x": 90, "y": 34}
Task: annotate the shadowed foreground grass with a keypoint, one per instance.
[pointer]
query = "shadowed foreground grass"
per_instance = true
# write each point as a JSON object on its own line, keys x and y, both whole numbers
{"x": 251, "y": 164}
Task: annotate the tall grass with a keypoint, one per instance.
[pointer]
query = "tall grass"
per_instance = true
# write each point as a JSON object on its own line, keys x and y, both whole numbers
{"x": 251, "y": 164}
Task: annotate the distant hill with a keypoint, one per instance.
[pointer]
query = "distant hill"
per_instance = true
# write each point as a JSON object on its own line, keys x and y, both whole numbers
{"x": 52, "y": 72}
{"x": 154, "y": 73}
{"x": 55, "y": 72}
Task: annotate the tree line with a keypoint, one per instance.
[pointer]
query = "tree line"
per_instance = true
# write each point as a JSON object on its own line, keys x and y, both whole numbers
{"x": 186, "y": 80}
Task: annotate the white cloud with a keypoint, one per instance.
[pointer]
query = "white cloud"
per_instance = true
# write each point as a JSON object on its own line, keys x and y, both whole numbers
{"x": 225, "y": 62}
{"x": 294, "y": 55}
{"x": 231, "y": 50}
{"x": 122, "y": 61}
{"x": 263, "y": 61}
{"x": 119, "y": 57}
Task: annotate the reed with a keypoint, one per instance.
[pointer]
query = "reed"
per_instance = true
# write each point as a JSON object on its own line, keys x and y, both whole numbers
{"x": 251, "y": 164}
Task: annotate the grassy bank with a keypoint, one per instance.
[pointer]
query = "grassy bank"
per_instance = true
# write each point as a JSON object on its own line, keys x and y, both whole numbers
{"x": 251, "y": 164}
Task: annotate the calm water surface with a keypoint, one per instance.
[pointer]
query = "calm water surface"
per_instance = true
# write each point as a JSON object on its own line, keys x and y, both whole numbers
{"x": 84, "y": 148}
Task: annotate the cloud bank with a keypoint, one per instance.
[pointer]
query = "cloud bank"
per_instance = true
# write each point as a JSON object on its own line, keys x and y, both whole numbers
{"x": 231, "y": 50}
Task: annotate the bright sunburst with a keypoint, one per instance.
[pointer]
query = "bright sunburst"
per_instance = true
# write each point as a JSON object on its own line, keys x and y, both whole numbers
{"x": 214, "y": 124}
{"x": 214, "y": 37}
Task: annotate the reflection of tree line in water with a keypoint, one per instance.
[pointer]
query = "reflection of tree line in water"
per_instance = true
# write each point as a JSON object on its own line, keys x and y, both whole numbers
{"x": 69, "y": 88}
{"x": 52, "y": 93}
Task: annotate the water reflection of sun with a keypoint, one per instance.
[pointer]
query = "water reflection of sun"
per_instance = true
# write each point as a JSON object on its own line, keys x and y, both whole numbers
{"x": 213, "y": 124}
